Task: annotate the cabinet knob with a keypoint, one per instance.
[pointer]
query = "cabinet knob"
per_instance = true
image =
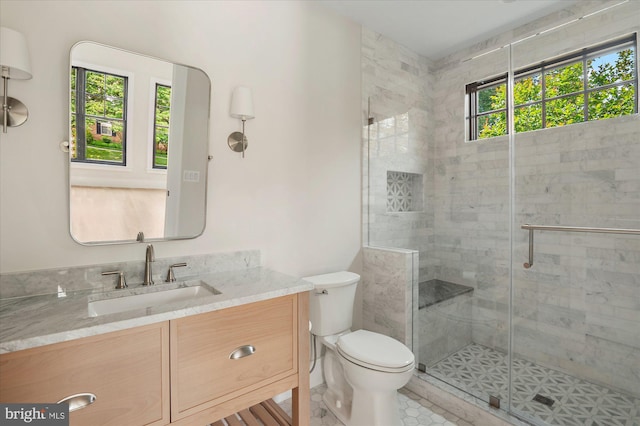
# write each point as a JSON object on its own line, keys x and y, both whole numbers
{"x": 242, "y": 352}
{"x": 78, "y": 401}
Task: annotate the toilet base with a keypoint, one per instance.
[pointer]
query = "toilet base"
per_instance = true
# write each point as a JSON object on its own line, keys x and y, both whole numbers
{"x": 375, "y": 394}
{"x": 370, "y": 409}
{"x": 375, "y": 409}
{"x": 340, "y": 409}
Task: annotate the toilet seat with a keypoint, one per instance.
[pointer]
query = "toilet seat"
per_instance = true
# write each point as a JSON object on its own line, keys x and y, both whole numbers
{"x": 375, "y": 351}
{"x": 330, "y": 341}
{"x": 335, "y": 279}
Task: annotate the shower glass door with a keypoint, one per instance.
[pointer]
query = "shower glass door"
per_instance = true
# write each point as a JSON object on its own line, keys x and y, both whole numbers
{"x": 576, "y": 158}
{"x": 462, "y": 320}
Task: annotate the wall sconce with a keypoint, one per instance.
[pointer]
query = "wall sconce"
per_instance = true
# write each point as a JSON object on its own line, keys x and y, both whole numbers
{"x": 242, "y": 108}
{"x": 14, "y": 59}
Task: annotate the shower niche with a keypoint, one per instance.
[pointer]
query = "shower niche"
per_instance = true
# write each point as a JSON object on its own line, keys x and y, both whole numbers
{"x": 404, "y": 192}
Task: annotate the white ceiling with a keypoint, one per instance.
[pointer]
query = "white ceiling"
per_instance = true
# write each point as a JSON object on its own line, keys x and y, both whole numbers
{"x": 435, "y": 28}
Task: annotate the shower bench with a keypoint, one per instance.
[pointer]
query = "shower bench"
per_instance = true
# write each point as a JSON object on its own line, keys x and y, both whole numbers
{"x": 444, "y": 317}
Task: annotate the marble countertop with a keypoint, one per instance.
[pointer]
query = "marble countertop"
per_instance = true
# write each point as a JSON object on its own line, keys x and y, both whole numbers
{"x": 29, "y": 322}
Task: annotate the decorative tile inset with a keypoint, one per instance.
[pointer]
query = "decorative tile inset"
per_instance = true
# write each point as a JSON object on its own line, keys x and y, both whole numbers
{"x": 404, "y": 192}
{"x": 483, "y": 371}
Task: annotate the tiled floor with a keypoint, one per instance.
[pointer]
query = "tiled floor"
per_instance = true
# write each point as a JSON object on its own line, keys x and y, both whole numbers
{"x": 414, "y": 411}
{"x": 483, "y": 371}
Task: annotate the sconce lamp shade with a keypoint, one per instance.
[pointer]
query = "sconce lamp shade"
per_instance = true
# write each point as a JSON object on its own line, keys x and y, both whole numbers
{"x": 242, "y": 104}
{"x": 14, "y": 55}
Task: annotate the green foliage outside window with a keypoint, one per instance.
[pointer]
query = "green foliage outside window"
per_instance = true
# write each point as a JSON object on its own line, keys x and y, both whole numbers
{"x": 564, "y": 98}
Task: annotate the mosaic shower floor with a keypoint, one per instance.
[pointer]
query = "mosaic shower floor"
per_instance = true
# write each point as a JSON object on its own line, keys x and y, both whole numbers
{"x": 483, "y": 371}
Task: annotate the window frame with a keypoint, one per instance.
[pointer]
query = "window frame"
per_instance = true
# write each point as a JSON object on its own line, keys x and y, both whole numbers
{"x": 542, "y": 68}
{"x": 81, "y": 116}
{"x": 472, "y": 90}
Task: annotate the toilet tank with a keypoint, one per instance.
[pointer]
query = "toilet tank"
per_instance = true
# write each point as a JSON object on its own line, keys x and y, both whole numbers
{"x": 331, "y": 302}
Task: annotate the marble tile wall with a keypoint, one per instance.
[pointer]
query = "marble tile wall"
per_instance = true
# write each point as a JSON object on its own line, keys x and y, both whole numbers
{"x": 389, "y": 284}
{"x": 51, "y": 281}
{"x": 578, "y": 308}
{"x": 395, "y": 85}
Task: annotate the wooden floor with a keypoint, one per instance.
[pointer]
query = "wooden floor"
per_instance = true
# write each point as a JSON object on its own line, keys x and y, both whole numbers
{"x": 267, "y": 413}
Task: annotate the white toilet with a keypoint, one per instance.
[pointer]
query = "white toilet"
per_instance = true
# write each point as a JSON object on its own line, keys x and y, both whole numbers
{"x": 363, "y": 370}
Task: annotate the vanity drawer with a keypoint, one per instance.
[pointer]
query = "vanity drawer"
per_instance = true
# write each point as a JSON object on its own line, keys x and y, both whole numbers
{"x": 126, "y": 370}
{"x": 203, "y": 372}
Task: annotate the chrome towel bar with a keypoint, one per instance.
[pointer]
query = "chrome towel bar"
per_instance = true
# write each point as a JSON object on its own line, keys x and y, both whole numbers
{"x": 532, "y": 228}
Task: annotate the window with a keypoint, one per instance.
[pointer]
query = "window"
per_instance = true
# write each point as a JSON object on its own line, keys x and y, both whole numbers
{"x": 593, "y": 84}
{"x": 98, "y": 117}
{"x": 162, "y": 110}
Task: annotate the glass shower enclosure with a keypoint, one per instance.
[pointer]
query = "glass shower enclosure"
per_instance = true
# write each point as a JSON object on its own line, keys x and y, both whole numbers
{"x": 524, "y": 210}
{"x": 575, "y": 291}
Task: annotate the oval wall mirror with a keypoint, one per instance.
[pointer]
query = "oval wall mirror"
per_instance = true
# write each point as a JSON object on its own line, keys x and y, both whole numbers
{"x": 138, "y": 154}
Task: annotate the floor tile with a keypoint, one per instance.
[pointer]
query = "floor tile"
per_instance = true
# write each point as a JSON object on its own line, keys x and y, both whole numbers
{"x": 482, "y": 371}
{"x": 412, "y": 412}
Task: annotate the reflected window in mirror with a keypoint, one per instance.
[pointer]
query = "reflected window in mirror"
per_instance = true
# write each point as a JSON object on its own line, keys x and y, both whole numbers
{"x": 156, "y": 105}
{"x": 98, "y": 117}
{"x": 161, "y": 116}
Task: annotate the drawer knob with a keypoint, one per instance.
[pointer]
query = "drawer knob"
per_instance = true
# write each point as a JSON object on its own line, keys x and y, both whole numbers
{"x": 242, "y": 352}
{"x": 78, "y": 401}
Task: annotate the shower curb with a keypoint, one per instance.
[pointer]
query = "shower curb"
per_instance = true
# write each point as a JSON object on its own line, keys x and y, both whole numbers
{"x": 465, "y": 406}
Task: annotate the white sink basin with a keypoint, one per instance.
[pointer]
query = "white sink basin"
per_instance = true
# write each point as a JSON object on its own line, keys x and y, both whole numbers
{"x": 123, "y": 303}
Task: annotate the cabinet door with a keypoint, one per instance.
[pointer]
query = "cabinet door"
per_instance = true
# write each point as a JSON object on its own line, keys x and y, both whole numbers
{"x": 127, "y": 371}
{"x": 203, "y": 371}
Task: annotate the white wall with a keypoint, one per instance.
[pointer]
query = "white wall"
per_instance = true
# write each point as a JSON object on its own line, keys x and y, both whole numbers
{"x": 296, "y": 195}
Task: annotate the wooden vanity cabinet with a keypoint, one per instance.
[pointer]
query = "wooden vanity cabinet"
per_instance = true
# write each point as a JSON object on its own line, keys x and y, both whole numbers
{"x": 126, "y": 370}
{"x": 177, "y": 371}
{"x": 208, "y": 382}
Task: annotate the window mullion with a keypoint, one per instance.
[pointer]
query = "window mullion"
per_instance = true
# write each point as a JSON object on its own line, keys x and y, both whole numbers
{"x": 81, "y": 133}
{"x": 637, "y": 78}
{"x": 585, "y": 101}
{"x": 125, "y": 91}
{"x": 473, "y": 119}
{"x": 543, "y": 96}
{"x": 506, "y": 105}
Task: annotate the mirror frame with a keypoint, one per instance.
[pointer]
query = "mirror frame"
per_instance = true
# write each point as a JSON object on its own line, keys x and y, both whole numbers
{"x": 206, "y": 162}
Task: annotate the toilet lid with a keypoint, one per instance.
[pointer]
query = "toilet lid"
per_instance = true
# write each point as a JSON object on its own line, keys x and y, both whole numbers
{"x": 334, "y": 279}
{"x": 375, "y": 351}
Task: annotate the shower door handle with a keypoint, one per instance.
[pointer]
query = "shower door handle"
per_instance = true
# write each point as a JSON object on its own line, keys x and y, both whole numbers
{"x": 532, "y": 228}
{"x": 529, "y": 264}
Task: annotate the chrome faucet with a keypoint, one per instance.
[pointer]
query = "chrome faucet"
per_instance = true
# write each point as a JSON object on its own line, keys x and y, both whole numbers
{"x": 150, "y": 257}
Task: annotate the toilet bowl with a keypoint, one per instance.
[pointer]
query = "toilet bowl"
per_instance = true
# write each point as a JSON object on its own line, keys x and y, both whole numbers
{"x": 363, "y": 369}
{"x": 375, "y": 366}
{"x": 339, "y": 393}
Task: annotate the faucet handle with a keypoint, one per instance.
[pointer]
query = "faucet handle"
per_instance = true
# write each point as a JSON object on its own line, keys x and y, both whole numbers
{"x": 170, "y": 277}
{"x": 122, "y": 282}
